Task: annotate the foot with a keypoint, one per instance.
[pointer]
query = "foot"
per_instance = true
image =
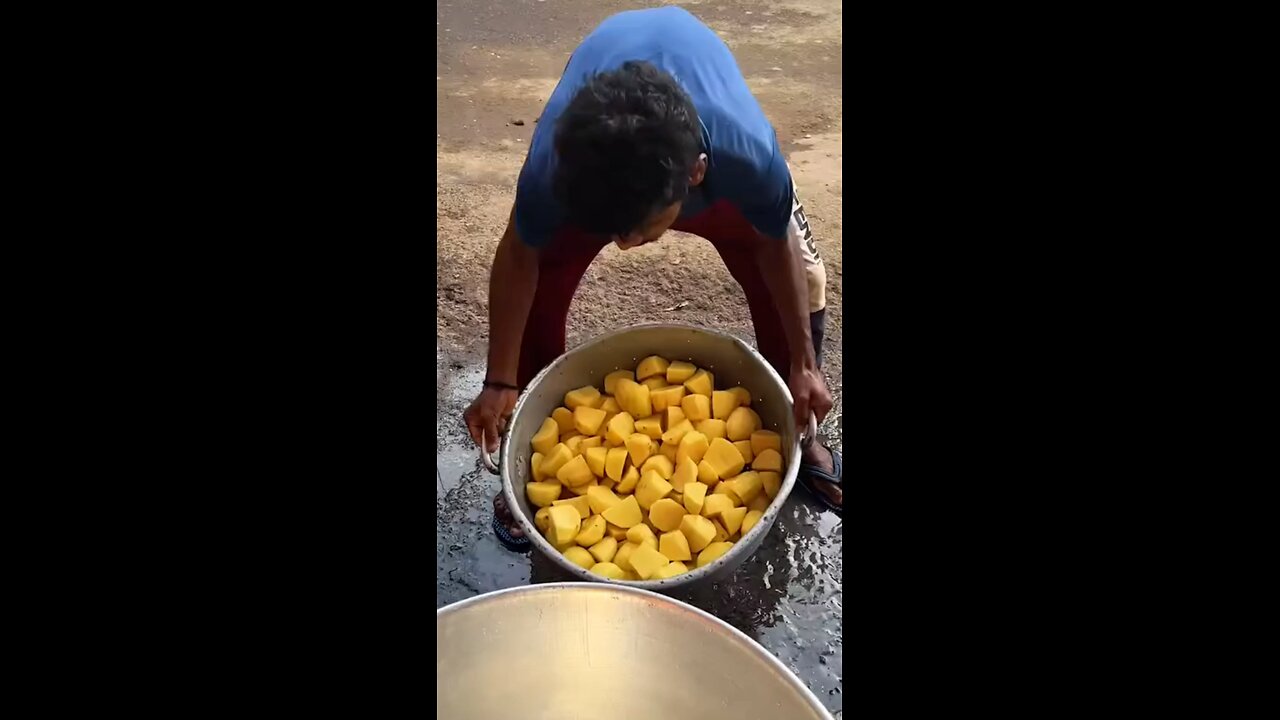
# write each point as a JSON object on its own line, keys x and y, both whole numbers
{"x": 505, "y": 517}
{"x": 820, "y": 457}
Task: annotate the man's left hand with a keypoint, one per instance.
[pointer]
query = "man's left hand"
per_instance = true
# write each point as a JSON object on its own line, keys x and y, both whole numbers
{"x": 809, "y": 390}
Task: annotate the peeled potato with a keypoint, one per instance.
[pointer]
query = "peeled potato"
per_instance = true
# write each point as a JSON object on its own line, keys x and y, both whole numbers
{"x": 642, "y": 535}
{"x": 592, "y": 531}
{"x": 762, "y": 440}
{"x": 713, "y": 553}
{"x": 674, "y": 545}
{"x": 695, "y": 493}
{"x": 677, "y": 433}
{"x": 652, "y": 365}
{"x": 608, "y": 570}
{"x": 651, "y": 489}
{"x": 580, "y": 557}
{"x": 623, "y": 557}
{"x": 670, "y": 570}
{"x": 542, "y": 494}
{"x": 659, "y": 464}
{"x": 760, "y": 502}
{"x": 747, "y": 485}
{"x": 564, "y": 418}
{"x": 654, "y": 383}
{"x": 700, "y": 383}
{"x": 725, "y": 459}
{"x": 615, "y": 462}
{"x": 673, "y": 416}
{"x": 604, "y": 550}
{"x": 542, "y": 518}
{"x": 650, "y": 426}
{"x": 744, "y": 447}
{"x": 546, "y": 437}
{"x": 625, "y": 514}
{"x": 693, "y": 446}
{"x": 696, "y": 407}
{"x": 723, "y": 403}
{"x": 555, "y": 459}
{"x": 647, "y": 561}
{"x": 712, "y": 429}
{"x": 698, "y": 531}
{"x": 575, "y": 472}
{"x": 732, "y": 519}
{"x": 629, "y": 480}
{"x": 686, "y": 472}
{"x": 587, "y": 420}
{"x": 716, "y": 504}
{"x": 742, "y": 423}
{"x": 596, "y": 459}
{"x": 666, "y": 515}
{"x": 581, "y": 504}
{"x": 707, "y": 474}
{"x": 619, "y": 428}
{"x": 744, "y": 395}
{"x": 772, "y": 482}
{"x": 767, "y": 460}
{"x": 679, "y": 371}
{"x": 586, "y": 395}
{"x": 611, "y": 380}
{"x": 600, "y": 499}
{"x": 536, "y": 463}
{"x": 565, "y": 523}
{"x": 670, "y": 451}
{"x": 666, "y": 397}
{"x": 749, "y": 521}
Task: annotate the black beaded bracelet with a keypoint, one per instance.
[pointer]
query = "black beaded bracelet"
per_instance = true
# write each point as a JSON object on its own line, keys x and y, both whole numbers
{"x": 504, "y": 386}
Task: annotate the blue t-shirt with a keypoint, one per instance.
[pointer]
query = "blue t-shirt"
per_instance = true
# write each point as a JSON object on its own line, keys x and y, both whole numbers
{"x": 744, "y": 164}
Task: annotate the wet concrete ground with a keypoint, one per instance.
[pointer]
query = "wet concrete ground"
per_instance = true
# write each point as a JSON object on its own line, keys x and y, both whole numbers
{"x": 787, "y": 596}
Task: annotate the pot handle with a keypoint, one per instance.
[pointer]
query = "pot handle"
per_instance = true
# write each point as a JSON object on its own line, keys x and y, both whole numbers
{"x": 806, "y": 439}
{"x": 487, "y": 459}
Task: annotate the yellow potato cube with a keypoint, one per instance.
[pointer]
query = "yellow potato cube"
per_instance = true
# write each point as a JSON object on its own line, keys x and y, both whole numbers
{"x": 670, "y": 570}
{"x": 695, "y": 494}
{"x": 652, "y": 365}
{"x": 726, "y": 488}
{"x": 650, "y": 426}
{"x": 712, "y": 429}
{"x": 592, "y": 531}
{"x": 759, "y": 502}
{"x": 674, "y": 545}
{"x": 607, "y": 482}
{"x": 772, "y": 482}
{"x": 580, "y": 557}
{"x": 581, "y": 489}
{"x": 672, "y": 417}
{"x": 666, "y": 397}
{"x": 670, "y": 451}
{"x": 713, "y": 553}
{"x": 654, "y": 384}
{"x": 611, "y": 380}
{"x": 618, "y": 534}
{"x": 747, "y": 485}
{"x": 678, "y": 497}
{"x": 608, "y": 570}
{"x": 546, "y": 437}
{"x": 574, "y": 444}
{"x": 768, "y": 460}
{"x": 762, "y": 440}
{"x": 686, "y": 472}
{"x": 610, "y": 405}
{"x": 707, "y": 474}
{"x": 698, "y": 531}
{"x": 723, "y": 402}
{"x": 595, "y": 441}
{"x": 638, "y": 447}
{"x": 631, "y": 576}
{"x": 651, "y": 489}
{"x": 744, "y": 447}
{"x": 565, "y": 524}
{"x": 596, "y": 459}
{"x": 677, "y": 433}
{"x": 659, "y": 464}
{"x": 647, "y": 561}
{"x": 716, "y": 504}
{"x": 587, "y": 420}
{"x": 555, "y": 459}
{"x": 575, "y": 472}
{"x": 629, "y": 480}
{"x": 564, "y": 419}
{"x": 742, "y": 423}
{"x": 732, "y": 520}
{"x": 725, "y": 459}
{"x": 700, "y": 383}
{"x": 581, "y": 504}
{"x": 615, "y": 462}
{"x": 642, "y": 535}
{"x": 744, "y": 395}
{"x": 536, "y": 463}
{"x": 666, "y": 514}
{"x": 693, "y": 446}
{"x": 604, "y": 550}
{"x": 600, "y": 499}
{"x": 634, "y": 398}
{"x": 542, "y": 518}
{"x": 752, "y": 517}
{"x": 586, "y": 395}
{"x": 542, "y": 494}
{"x": 679, "y": 371}
{"x": 619, "y": 428}
{"x": 623, "y": 557}
{"x": 721, "y": 533}
{"x": 625, "y": 514}
{"x": 696, "y": 408}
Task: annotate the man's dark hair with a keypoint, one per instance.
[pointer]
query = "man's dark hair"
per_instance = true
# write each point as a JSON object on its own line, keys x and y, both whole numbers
{"x": 625, "y": 146}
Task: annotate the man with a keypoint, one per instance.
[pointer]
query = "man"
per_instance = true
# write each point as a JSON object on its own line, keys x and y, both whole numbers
{"x": 652, "y": 128}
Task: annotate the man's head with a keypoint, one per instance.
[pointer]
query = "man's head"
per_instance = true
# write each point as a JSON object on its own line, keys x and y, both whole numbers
{"x": 628, "y": 149}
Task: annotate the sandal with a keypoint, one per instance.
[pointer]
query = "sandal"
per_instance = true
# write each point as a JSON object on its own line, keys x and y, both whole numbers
{"x": 808, "y": 473}
{"x": 511, "y": 542}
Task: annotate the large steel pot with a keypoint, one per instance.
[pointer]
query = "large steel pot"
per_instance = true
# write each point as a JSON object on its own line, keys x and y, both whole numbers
{"x": 732, "y": 361}
{"x": 572, "y": 650}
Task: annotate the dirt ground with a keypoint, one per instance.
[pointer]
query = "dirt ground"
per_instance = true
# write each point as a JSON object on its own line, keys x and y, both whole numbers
{"x": 496, "y": 63}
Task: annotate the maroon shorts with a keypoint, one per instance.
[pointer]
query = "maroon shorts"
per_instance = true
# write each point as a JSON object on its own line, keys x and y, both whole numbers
{"x": 563, "y": 262}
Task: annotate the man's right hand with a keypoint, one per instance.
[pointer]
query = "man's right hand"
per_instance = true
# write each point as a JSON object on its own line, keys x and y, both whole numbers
{"x": 486, "y": 418}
